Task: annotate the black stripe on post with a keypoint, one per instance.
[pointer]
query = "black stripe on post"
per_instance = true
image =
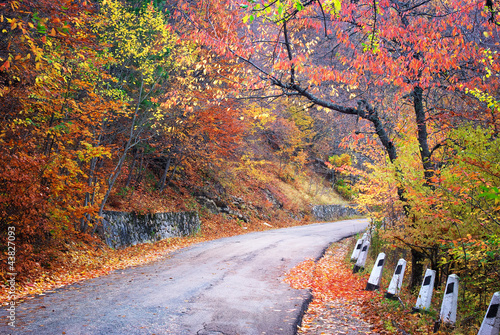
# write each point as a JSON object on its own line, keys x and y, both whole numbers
{"x": 450, "y": 288}
{"x": 492, "y": 311}
{"x": 398, "y": 269}
{"x": 391, "y": 296}
{"x": 427, "y": 280}
{"x": 371, "y": 287}
{"x": 357, "y": 269}
{"x": 380, "y": 262}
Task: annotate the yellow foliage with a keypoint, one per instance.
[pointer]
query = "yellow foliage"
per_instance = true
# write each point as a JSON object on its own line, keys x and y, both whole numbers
{"x": 142, "y": 42}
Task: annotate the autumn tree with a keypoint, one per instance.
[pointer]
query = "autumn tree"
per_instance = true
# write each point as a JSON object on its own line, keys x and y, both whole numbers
{"x": 86, "y": 87}
{"x": 401, "y": 67}
{"x": 198, "y": 123}
{"x": 50, "y": 107}
{"x": 142, "y": 52}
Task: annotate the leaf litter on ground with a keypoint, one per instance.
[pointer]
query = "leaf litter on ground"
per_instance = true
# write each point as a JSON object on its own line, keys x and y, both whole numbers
{"x": 338, "y": 295}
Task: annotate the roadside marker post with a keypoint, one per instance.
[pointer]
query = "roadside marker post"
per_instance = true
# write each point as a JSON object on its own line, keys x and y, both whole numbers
{"x": 425, "y": 294}
{"x": 450, "y": 301}
{"x": 360, "y": 263}
{"x": 376, "y": 274}
{"x": 357, "y": 250}
{"x": 448, "y": 314}
{"x": 491, "y": 322}
{"x": 359, "y": 245}
{"x": 397, "y": 280}
{"x": 367, "y": 236}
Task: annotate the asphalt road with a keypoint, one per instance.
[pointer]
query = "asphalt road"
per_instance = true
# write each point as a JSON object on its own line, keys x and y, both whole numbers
{"x": 228, "y": 286}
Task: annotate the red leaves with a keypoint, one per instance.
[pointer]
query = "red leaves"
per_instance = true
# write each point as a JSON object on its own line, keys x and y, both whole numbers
{"x": 334, "y": 285}
{"x": 329, "y": 278}
{"x": 341, "y": 304}
{"x": 5, "y": 66}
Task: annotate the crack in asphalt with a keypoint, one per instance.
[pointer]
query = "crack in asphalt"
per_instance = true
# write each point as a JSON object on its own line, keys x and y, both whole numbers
{"x": 204, "y": 331}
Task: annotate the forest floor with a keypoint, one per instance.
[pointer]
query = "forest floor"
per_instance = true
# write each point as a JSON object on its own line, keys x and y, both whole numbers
{"x": 339, "y": 296}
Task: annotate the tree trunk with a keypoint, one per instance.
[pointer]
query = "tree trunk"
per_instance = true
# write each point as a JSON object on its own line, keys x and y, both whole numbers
{"x": 131, "y": 142}
{"x": 138, "y": 177}
{"x": 425, "y": 155}
{"x": 161, "y": 184}
{"x": 417, "y": 268}
{"x": 133, "y": 139}
{"x": 173, "y": 173}
{"x": 132, "y": 167}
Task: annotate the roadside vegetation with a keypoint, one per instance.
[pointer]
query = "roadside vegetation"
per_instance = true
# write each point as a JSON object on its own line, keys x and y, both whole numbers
{"x": 341, "y": 304}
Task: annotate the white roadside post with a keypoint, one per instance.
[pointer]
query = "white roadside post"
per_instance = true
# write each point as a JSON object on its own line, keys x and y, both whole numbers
{"x": 449, "y": 305}
{"x": 376, "y": 275}
{"x": 491, "y": 322}
{"x": 397, "y": 280}
{"x": 360, "y": 263}
{"x": 357, "y": 250}
{"x": 425, "y": 295}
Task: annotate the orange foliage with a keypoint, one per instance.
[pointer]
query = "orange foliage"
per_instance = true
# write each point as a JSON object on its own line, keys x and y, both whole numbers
{"x": 332, "y": 282}
{"x": 49, "y": 108}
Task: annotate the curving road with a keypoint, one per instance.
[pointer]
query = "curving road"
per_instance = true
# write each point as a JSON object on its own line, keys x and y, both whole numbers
{"x": 229, "y": 286}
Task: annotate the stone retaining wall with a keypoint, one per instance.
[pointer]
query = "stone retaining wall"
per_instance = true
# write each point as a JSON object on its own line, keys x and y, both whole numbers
{"x": 333, "y": 212}
{"x": 121, "y": 229}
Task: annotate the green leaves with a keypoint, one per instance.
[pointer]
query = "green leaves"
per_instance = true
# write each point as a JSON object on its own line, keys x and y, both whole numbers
{"x": 141, "y": 42}
{"x": 372, "y": 44}
{"x": 248, "y": 18}
{"x": 41, "y": 28}
{"x": 280, "y": 9}
{"x": 298, "y": 5}
{"x": 491, "y": 193}
{"x": 273, "y": 10}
